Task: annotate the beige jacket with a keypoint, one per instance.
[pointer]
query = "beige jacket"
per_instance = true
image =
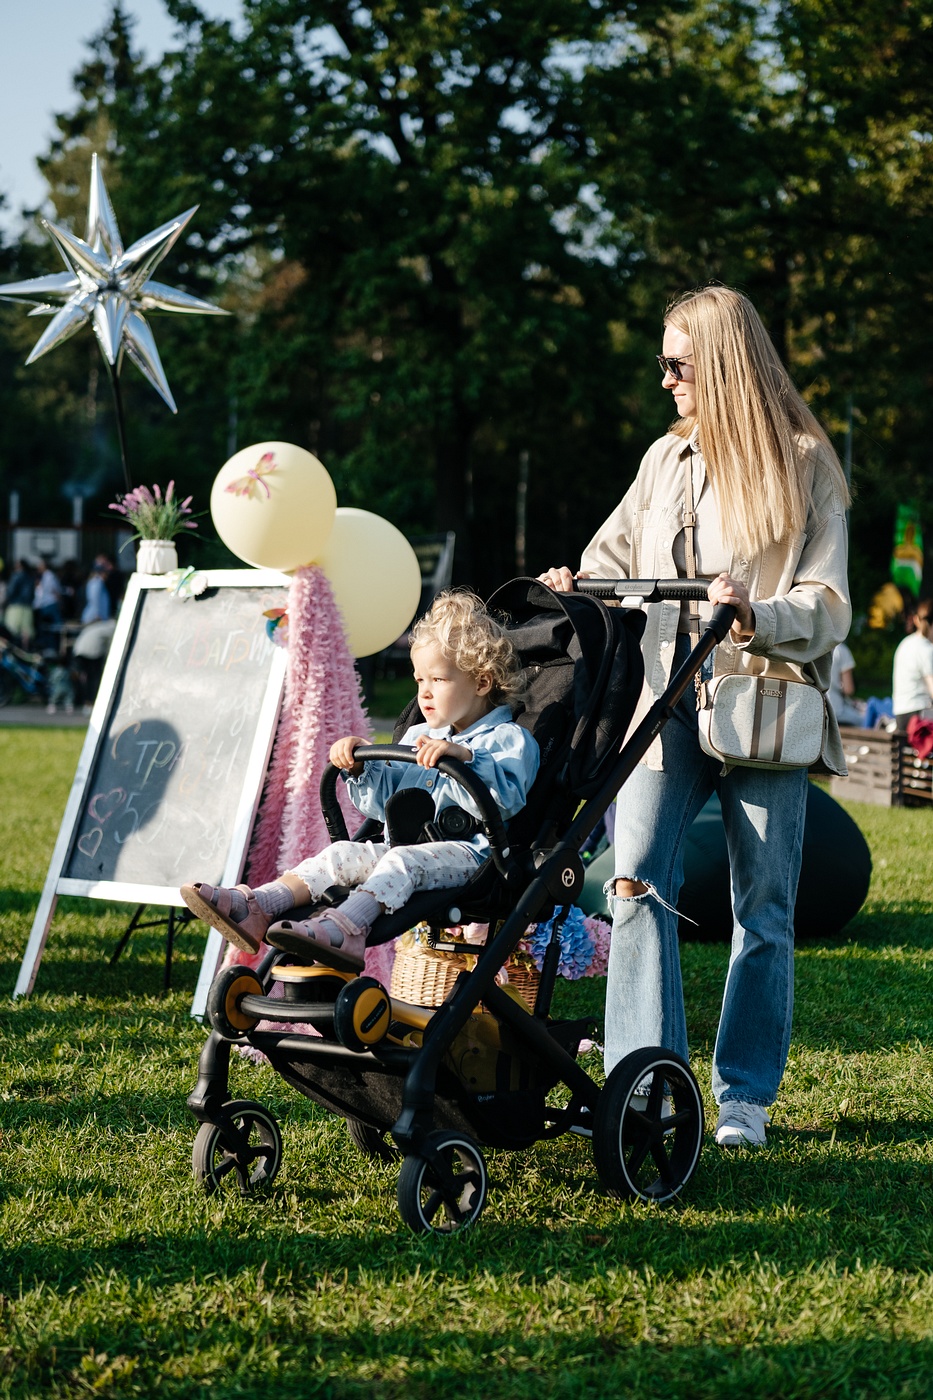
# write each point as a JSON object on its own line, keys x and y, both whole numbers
{"x": 798, "y": 588}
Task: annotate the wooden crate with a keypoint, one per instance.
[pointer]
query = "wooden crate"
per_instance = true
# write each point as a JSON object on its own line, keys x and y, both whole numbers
{"x": 916, "y": 778}
{"x": 883, "y": 770}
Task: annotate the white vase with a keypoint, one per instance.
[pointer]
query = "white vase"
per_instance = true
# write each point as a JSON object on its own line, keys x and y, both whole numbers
{"x": 156, "y": 556}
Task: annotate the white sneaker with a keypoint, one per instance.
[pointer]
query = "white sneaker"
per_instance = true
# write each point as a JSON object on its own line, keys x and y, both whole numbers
{"x": 640, "y": 1104}
{"x": 741, "y": 1124}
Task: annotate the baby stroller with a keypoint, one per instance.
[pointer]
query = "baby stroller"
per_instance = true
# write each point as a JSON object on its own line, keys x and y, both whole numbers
{"x": 483, "y": 1069}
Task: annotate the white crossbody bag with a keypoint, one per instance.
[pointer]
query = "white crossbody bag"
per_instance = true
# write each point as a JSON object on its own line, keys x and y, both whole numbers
{"x": 759, "y": 721}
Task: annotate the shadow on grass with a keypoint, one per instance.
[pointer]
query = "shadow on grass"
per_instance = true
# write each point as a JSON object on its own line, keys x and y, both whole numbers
{"x": 403, "y": 1361}
{"x": 857, "y": 1206}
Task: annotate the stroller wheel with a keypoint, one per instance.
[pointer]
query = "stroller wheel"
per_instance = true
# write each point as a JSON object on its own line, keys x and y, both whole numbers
{"x": 372, "y": 1141}
{"x": 646, "y": 1146}
{"x": 447, "y": 1192}
{"x": 248, "y": 1151}
{"x": 362, "y": 1013}
{"x": 223, "y": 1002}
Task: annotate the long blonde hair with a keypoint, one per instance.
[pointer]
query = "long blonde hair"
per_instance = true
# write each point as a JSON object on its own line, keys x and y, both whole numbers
{"x": 760, "y": 442}
{"x": 459, "y": 624}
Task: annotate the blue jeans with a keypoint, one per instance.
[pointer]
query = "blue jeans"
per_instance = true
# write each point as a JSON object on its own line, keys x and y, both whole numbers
{"x": 763, "y": 813}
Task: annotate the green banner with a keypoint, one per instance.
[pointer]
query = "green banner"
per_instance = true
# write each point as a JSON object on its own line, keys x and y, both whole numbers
{"x": 907, "y": 558}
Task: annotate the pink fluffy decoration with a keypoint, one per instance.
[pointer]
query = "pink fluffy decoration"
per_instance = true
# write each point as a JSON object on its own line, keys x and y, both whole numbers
{"x": 322, "y": 703}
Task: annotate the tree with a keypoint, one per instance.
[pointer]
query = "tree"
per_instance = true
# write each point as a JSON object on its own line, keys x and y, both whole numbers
{"x": 449, "y": 234}
{"x": 397, "y": 177}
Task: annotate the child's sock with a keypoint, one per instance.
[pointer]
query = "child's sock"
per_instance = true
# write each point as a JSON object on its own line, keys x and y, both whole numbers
{"x": 274, "y": 899}
{"x": 362, "y": 909}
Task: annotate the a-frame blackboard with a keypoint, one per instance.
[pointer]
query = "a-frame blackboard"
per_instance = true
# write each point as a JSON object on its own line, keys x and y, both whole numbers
{"x": 178, "y": 743}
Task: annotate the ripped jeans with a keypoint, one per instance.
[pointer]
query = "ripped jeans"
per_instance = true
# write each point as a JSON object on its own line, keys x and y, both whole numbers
{"x": 763, "y": 814}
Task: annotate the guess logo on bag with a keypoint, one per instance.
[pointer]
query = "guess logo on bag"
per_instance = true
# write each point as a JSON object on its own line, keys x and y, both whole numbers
{"x": 766, "y": 690}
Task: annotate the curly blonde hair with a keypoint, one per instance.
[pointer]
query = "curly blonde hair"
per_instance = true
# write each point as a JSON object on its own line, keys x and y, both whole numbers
{"x": 459, "y": 624}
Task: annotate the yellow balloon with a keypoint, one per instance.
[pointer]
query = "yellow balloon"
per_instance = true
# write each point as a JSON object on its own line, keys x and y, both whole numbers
{"x": 375, "y": 577}
{"x": 273, "y": 505}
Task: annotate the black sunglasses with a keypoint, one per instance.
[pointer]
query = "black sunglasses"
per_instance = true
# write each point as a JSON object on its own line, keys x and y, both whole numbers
{"x": 671, "y": 365}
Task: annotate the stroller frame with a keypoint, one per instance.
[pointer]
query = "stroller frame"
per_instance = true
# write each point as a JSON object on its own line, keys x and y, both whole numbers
{"x": 385, "y": 1065}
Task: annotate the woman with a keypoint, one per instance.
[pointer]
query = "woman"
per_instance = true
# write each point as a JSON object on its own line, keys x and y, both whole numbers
{"x": 770, "y": 529}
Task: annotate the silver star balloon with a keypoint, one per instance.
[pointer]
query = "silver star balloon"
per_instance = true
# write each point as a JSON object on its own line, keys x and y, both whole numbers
{"x": 108, "y": 287}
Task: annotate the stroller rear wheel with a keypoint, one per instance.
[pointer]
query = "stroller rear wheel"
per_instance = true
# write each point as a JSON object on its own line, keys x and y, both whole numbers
{"x": 248, "y": 1150}
{"x": 648, "y": 1127}
{"x": 445, "y": 1189}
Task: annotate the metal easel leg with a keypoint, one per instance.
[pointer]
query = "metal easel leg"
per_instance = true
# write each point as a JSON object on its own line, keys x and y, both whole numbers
{"x": 128, "y": 932}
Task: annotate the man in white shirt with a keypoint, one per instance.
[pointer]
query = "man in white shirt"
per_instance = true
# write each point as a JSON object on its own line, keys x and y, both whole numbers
{"x": 913, "y": 669}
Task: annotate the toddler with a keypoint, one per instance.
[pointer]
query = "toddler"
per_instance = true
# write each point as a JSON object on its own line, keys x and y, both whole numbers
{"x": 466, "y": 671}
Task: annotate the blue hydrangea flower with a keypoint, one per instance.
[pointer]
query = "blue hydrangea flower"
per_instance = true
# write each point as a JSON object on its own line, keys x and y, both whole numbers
{"x": 576, "y": 945}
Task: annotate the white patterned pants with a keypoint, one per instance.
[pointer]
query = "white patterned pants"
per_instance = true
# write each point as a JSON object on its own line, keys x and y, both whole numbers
{"x": 390, "y": 874}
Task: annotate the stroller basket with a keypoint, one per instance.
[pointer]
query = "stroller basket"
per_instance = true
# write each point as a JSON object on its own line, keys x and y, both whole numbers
{"x": 434, "y": 1085}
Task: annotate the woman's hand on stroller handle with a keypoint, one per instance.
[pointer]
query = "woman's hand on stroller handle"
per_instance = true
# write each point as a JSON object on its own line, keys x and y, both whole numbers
{"x": 731, "y": 592}
{"x": 561, "y": 579}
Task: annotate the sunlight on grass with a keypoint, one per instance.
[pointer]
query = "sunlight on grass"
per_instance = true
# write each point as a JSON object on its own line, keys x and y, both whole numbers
{"x": 803, "y": 1270}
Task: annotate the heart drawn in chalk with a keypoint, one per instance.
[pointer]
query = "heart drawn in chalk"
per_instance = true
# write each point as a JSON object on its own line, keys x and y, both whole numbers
{"x": 103, "y": 804}
{"x": 89, "y": 843}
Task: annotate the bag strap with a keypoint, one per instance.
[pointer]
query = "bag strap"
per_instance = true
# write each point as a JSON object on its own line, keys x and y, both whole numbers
{"x": 690, "y": 521}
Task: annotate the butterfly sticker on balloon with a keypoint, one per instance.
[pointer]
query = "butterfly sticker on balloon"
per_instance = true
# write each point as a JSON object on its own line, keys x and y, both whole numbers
{"x": 277, "y": 626}
{"x": 253, "y": 482}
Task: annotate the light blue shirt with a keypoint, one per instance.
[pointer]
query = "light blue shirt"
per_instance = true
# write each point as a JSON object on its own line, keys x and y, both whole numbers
{"x": 97, "y": 600}
{"x": 505, "y": 758}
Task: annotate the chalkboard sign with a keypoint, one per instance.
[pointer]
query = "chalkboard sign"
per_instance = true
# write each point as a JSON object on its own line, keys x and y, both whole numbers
{"x": 171, "y": 772}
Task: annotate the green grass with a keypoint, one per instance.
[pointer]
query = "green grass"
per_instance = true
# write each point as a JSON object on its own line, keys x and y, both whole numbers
{"x": 803, "y": 1270}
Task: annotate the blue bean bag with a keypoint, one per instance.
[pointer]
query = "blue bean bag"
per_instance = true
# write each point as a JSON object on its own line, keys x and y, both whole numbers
{"x": 834, "y": 877}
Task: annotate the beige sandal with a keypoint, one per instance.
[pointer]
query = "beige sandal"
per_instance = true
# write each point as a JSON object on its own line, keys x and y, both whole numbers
{"x": 214, "y": 905}
{"x": 329, "y": 938}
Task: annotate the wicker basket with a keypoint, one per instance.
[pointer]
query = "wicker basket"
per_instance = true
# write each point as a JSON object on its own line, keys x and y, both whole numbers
{"x": 424, "y": 976}
{"x": 525, "y": 981}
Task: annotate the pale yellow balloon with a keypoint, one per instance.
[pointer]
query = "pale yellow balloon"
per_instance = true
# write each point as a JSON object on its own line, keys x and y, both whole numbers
{"x": 273, "y": 505}
{"x": 375, "y": 577}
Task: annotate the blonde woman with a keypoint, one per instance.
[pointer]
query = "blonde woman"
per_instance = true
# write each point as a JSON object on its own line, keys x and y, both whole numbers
{"x": 466, "y": 671}
{"x": 770, "y": 530}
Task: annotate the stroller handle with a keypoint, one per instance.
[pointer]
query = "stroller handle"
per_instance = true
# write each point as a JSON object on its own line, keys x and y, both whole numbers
{"x": 632, "y": 592}
{"x": 646, "y": 590}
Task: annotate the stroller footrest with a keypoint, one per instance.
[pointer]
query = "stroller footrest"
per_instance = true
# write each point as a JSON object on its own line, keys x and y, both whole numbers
{"x": 275, "y": 1009}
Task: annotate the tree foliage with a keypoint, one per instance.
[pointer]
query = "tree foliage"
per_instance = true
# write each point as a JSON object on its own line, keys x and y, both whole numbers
{"x": 449, "y": 232}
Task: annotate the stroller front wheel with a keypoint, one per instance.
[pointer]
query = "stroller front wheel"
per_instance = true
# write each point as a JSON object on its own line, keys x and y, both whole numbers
{"x": 226, "y": 992}
{"x": 247, "y": 1149}
{"x": 443, "y": 1190}
{"x": 362, "y": 1014}
{"x": 648, "y": 1127}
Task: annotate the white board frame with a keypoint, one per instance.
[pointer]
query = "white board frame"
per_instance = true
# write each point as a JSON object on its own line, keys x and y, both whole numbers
{"x": 254, "y": 774}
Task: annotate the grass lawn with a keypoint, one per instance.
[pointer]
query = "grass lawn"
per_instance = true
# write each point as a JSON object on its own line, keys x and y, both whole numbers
{"x": 802, "y": 1270}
